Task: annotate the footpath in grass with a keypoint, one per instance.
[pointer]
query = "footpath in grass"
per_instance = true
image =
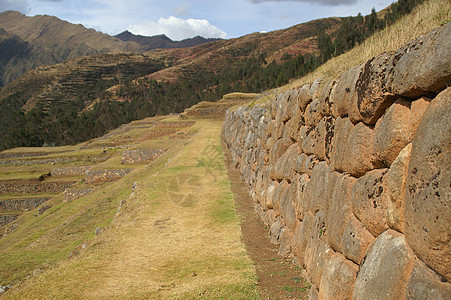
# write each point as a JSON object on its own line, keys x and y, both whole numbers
{"x": 177, "y": 237}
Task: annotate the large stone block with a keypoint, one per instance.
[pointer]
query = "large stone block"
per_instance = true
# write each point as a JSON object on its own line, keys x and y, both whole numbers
{"x": 386, "y": 269}
{"x": 423, "y": 66}
{"x": 427, "y": 197}
{"x": 288, "y": 212}
{"x": 392, "y": 133}
{"x": 301, "y": 235}
{"x": 276, "y": 230}
{"x": 270, "y": 191}
{"x": 320, "y": 106}
{"x": 367, "y": 202}
{"x": 355, "y": 240}
{"x": 316, "y": 190}
{"x": 373, "y": 96}
{"x": 304, "y": 96}
{"x": 282, "y": 188}
{"x": 317, "y": 140}
{"x": 351, "y": 151}
{"x": 298, "y": 185}
{"x": 425, "y": 284}
{"x": 285, "y": 242}
{"x": 279, "y": 148}
{"x": 317, "y": 252}
{"x": 394, "y": 189}
{"x": 344, "y": 95}
{"x": 338, "y": 278}
{"x": 291, "y": 129}
{"x": 284, "y": 168}
{"x": 338, "y": 208}
{"x": 299, "y": 163}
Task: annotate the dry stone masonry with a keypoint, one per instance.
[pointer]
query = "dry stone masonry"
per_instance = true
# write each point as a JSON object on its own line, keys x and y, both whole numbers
{"x": 33, "y": 186}
{"x": 353, "y": 176}
{"x": 69, "y": 171}
{"x": 21, "y": 204}
{"x": 74, "y": 194}
{"x": 140, "y": 156}
{"x": 96, "y": 176}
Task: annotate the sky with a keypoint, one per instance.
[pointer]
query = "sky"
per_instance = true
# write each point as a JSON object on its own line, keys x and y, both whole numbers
{"x": 180, "y": 19}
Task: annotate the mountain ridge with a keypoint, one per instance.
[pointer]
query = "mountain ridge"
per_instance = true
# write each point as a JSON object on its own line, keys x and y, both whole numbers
{"x": 162, "y": 41}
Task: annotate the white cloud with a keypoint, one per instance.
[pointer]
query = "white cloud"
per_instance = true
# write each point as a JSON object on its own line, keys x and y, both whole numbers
{"x": 19, "y": 5}
{"x": 178, "y": 29}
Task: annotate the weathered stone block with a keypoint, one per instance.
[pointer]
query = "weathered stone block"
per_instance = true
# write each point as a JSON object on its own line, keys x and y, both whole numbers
{"x": 356, "y": 239}
{"x": 423, "y": 66}
{"x": 298, "y": 185}
{"x": 351, "y": 151}
{"x": 344, "y": 95}
{"x": 386, "y": 269}
{"x": 425, "y": 284}
{"x": 317, "y": 140}
{"x": 288, "y": 212}
{"x": 373, "y": 95}
{"x": 279, "y": 148}
{"x": 337, "y": 205}
{"x": 284, "y": 168}
{"x": 304, "y": 96}
{"x": 317, "y": 188}
{"x": 392, "y": 133}
{"x": 299, "y": 164}
{"x": 367, "y": 202}
{"x": 270, "y": 195}
{"x": 320, "y": 106}
{"x": 338, "y": 278}
{"x": 282, "y": 188}
{"x": 301, "y": 237}
{"x": 285, "y": 242}
{"x": 276, "y": 230}
{"x": 394, "y": 189}
{"x": 428, "y": 198}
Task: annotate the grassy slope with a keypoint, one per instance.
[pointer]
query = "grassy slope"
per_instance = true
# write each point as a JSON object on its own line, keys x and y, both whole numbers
{"x": 423, "y": 19}
{"x": 177, "y": 237}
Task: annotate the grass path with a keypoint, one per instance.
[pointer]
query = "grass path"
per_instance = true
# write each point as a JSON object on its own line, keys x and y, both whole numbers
{"x": 177, "y": 237}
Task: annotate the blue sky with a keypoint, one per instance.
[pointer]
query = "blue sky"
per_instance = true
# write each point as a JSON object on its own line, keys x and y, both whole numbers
{"x": 181, "y": 19}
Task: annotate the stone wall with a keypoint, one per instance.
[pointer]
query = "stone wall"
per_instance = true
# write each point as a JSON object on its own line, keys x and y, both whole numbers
{"x": 174, "y": 124}
{"x": 157, "y": 133}
{"x": 74, "y": 194}
{"x": 5, "y": 219}
{"x": 140, "y": 156}
{"x": 21, "y": 204}
{"x": 69, "y": 171}
{"x": 33, "y": 187}
{"x": 95, "y": 176}
{"x": 353, "y": 176}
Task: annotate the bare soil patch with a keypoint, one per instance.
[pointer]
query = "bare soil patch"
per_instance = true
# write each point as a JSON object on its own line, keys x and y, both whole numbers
{"x": 278, "y": 277}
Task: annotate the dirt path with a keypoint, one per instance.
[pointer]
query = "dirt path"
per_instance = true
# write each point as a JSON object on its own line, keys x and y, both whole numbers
{"x": 278, "y": 277}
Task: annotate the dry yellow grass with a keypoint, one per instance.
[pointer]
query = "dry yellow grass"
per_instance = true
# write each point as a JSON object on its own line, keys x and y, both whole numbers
{"x": 178, "y": 237}
{"x": 423, "y": 19}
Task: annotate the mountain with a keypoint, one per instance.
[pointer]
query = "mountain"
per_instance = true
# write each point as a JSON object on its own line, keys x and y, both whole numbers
{"x": 99, "y": 92}
{"x": 18, "y": 56}
{"x": 162, "y": 41}
{"x": 29, "y": 42}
